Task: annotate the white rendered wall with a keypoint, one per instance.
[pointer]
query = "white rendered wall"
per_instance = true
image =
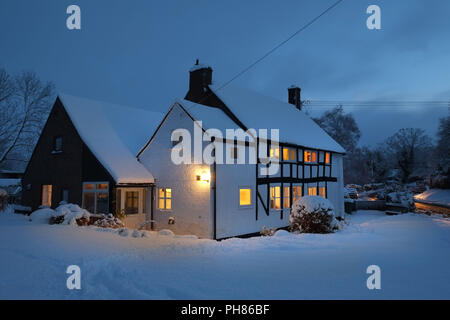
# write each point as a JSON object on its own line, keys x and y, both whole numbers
{"x": 191, "y": 205}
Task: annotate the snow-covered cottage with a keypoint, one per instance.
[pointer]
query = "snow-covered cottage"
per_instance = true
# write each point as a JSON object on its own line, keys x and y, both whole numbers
{"x": 115, "y": 159}
{"x": 86, "y": 154}
{"x": 224, "y": 200}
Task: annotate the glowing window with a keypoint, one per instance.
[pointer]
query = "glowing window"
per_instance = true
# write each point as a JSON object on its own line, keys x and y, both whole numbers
{"x": 286, "y": 196}
{"x": 310, "y": 156}
{"x": 275, "y": 198}
{"x": 288, "y": 154}
{"x": 245, "y": 197}
{"x": 165, "y": 198}
{"x": 296, "y": 193}
{"x": 47, "y": 195}
{"x": 322, "y": 192}
{"x": 312, "y": 191}
{"x": 327, "y": 157}
{"x": 275, "y": 153}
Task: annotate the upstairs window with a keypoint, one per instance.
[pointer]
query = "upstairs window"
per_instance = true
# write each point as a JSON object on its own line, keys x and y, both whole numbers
{"x": 275, "y": 152}
{"x": 327, "y": 157}
{"x": 57, "y": 144}
{"x": 310, "y": 156}
{"x": 165, "y": 198}
{"x": 289, "y": 154}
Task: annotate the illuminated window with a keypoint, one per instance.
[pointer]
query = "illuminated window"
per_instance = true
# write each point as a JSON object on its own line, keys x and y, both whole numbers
{"x": 310, "y": 156}
{"x": 165, "y": 198}
{"x": 296, "y": 193}
{"x": 327, "y": 157}
{"x": 322, "y": 192}
{"x": 289, "y": 154}
{"x": 286, "y": 196}
{"x": 312, "y": 191}
{"x": 96, "y": 197}
{"x": 275, "y": 198}
{"x": 47, "y": 195}
{"x": 275, "y": 153}
{"x": 245, "y": 197}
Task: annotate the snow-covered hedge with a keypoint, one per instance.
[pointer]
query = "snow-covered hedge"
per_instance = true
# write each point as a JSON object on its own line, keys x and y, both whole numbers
{"x": 313, "y": 214}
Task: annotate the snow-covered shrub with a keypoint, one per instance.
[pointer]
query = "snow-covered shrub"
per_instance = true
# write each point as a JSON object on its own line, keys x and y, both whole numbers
{"x": 73, "y": 214}
{"x": 42, "y": 216}
{"x": 313, "y": 214}
{"x": 267, "y": 232}
{"x": 109, "y": 221}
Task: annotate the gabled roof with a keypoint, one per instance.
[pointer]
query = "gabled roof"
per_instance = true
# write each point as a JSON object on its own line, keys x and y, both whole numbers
{"x": 260, "y": 112}
{"x": 114, "y": 134}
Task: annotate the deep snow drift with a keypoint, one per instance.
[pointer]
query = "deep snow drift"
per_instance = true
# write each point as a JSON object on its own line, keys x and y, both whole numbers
{"x": 412, "y": 250}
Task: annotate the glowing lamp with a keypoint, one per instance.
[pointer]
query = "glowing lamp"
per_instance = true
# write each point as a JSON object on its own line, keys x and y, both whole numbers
{"x": 204, "y": 177}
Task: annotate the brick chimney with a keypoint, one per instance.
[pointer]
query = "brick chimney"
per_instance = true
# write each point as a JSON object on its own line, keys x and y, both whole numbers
{"x": 294, "y": 97}
{"x": 200, "y": 76}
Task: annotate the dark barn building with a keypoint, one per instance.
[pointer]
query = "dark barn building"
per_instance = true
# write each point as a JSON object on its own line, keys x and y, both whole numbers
{"x": 86, "y": 155}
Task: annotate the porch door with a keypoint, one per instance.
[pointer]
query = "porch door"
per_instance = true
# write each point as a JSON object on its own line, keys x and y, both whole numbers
{"x": 47, "y": 195}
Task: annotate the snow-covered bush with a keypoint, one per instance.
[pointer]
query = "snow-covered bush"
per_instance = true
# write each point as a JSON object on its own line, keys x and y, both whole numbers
{"x": 42, "y": 216}
{"x": 109, "y": 221}
{"x": 313, "y": 214}
{"x": 72, "y": 214}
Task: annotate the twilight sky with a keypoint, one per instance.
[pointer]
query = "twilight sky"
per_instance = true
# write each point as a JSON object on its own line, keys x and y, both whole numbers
{"x": 139, "y": 52}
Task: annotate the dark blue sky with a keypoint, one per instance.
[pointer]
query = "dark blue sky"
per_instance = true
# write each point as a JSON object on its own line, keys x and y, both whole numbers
{"x": 139, "y": 52}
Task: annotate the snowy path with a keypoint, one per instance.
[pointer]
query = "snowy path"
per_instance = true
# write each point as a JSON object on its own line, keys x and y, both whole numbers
{"x": 412, "y": 250}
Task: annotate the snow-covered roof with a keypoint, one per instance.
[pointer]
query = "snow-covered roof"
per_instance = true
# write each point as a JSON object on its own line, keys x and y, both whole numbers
{"x": 257, "y": 111}
{"x": 210, "y": 117}
{"x": 199, "y": 66}
{"x": 114, "y": 134}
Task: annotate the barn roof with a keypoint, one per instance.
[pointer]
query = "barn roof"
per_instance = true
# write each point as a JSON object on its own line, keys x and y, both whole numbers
{"x": 114, "y": 134}
{"x": 257, "y": 111}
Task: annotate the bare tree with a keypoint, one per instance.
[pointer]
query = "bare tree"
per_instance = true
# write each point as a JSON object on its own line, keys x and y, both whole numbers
{"x": 410, "y": 148}
{"x": 28, "y": 103}
{"x": 341, "y": 126}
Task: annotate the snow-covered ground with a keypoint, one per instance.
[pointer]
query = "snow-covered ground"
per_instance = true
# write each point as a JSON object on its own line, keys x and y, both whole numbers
{"x": 412, "y": 250}
{"x": 434, "y": 196}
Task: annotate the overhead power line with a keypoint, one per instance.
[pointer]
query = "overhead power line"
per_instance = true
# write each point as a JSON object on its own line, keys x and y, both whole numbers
{"x": 268, "y": 53}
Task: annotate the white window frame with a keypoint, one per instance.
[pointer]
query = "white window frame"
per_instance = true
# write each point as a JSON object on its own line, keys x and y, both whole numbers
{"x": 95, "y": 191}
{"x": 274, "y": 197}
{"x": 165, "y": 197}
{"x": 249, "y": 206}
{"x": 123, "y": 199}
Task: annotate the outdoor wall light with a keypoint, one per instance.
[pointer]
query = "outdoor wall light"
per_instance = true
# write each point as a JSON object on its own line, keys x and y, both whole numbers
{"x": 204, "y": 176}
